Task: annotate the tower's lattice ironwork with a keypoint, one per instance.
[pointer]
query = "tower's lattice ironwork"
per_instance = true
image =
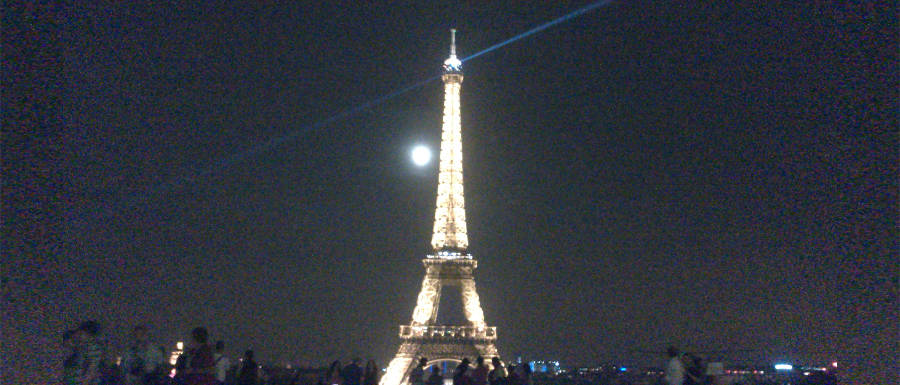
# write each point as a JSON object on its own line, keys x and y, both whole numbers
{"x": 450, "y": 266}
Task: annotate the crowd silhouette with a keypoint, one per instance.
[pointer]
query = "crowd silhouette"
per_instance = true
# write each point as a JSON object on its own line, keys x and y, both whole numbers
{"x": 89, "y": 360}
{"x": 465, "y": 374}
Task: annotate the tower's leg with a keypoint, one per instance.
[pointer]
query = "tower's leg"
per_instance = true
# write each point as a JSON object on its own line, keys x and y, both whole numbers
{"x": 426, "y": 304}
{"x": 398, "y": 370}
{"x": 471, "y": 304}
{"x": 488, "y": 351}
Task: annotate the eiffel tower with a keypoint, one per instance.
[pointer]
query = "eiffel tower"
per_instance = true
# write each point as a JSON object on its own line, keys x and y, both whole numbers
{"x": 450, "y": 266}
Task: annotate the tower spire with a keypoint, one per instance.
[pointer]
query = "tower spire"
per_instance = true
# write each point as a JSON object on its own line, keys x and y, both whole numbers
{"x": 453, "y": 64}
{"x": 450, "y": 239}
{"x": 452, "y": 42}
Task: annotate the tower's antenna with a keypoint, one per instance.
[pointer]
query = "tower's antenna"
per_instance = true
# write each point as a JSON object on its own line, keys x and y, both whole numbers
{"x": 452, "y": 41}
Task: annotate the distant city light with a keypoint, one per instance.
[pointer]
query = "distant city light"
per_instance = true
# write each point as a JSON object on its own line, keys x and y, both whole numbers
{"x": 173, "y": 358}
{"x": 784, "y": 367}
{"x": 421, "y": 155}
{"x": 545, "y": 366}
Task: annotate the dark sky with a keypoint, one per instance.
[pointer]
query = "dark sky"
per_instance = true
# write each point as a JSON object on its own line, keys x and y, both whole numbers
{"x": 717, "y": 177}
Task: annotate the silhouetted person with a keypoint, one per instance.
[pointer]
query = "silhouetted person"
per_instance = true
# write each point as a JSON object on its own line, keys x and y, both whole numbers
{"x": 201, "y": 366}
{"x": 181, "y": 368}
{"x": 110, "y": 372}
{"x": 695, "y": 371}
{"x": 221, "y": 362}
{"x": 371, "y": 375}
{"x": 435, "y": 378}
{"x": 417, "y": 376}
{"x": 352, "y": 373}
{"x": 333, "y": 375}
{"x": 460, "y": 375}
{"x": 497, "y": 376}
{"x": 142, "y": 360}
{"x": 248, "y": 375}
{"x": 480, "y": 373}
{"x": 90, "y": 352}
{"x": 71, "y": 369}
{"x": 512, "y": 377}
{"x": 674, "y": 369}
{"x": 526, "y": 375}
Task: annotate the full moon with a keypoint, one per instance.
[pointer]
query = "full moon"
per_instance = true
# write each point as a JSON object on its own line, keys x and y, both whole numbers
{"x": 421, "y": 155}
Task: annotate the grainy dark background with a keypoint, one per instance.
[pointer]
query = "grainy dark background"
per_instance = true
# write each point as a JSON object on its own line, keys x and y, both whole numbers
{"x": 720, "y": 177}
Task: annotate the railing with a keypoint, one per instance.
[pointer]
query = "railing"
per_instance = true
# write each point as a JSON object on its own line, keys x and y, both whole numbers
{"x": 449, "y": 332}
{"x": 451, "y": 254}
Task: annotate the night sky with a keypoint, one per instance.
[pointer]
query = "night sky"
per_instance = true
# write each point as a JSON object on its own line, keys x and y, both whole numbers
{"x": 715, "y": 177}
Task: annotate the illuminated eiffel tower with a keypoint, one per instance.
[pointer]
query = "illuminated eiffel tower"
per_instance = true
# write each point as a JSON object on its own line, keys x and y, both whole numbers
{"x": 450, "y": 265}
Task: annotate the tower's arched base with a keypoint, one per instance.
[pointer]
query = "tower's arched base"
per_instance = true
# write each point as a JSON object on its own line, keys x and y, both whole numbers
{"x": 436, "y": 350}
{"x": 423, "y": 338}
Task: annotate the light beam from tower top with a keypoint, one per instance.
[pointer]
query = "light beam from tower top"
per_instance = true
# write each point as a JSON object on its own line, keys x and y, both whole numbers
{"x": 125, "y": 203}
